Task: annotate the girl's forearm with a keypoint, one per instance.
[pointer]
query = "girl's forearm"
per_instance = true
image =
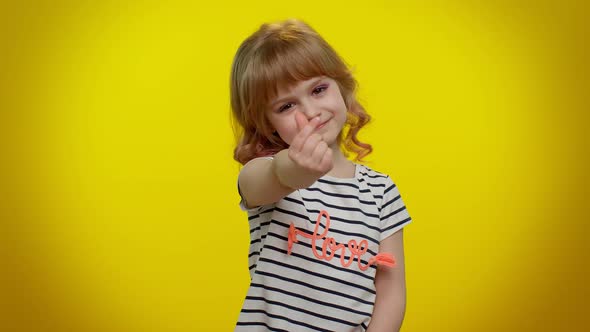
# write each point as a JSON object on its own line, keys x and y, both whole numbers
{"x": 390, "y": 285}
{"x": 389, "y": 311}
{"x": 290, "y": 174}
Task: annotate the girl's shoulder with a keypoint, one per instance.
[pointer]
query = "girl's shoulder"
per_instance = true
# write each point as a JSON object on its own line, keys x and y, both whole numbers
{"x": 378, "y": 183}
{"x": 366, "y": 171}
{"x": 369, "y": 175}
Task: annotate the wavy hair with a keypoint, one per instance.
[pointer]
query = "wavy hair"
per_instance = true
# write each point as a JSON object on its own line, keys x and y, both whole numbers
{"x": 284, "y": 53}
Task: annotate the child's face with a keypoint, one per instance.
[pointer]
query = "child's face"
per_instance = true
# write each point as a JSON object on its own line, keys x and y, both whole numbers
{"x": 318, "y": 96}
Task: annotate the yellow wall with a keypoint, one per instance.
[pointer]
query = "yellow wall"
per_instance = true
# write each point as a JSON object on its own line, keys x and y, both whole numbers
{"x": 119, "y": 209}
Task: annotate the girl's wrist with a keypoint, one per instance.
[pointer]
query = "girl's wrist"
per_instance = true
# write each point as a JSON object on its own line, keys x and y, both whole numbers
{"x": 280, "y": 166}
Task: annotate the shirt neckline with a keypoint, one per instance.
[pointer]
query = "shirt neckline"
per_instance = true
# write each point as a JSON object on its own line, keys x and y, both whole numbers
{"x": 357, "y": 169}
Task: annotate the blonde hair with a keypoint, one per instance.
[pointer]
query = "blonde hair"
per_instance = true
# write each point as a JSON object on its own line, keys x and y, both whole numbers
{"x": 284, "y": 53}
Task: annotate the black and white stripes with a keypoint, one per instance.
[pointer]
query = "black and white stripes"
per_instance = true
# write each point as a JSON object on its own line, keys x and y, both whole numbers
{"x": 298, "y": 291}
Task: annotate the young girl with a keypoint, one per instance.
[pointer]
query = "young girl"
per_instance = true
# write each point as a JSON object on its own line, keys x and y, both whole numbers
{"x": 326, "y": 250}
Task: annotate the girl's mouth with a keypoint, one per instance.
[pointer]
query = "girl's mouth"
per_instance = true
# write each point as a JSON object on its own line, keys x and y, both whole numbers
{"x": 322, "y": 125}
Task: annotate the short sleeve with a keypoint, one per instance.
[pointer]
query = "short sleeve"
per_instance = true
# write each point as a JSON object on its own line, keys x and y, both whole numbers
{"x": 243, "y": 205}
{"x": 394, "y": 215}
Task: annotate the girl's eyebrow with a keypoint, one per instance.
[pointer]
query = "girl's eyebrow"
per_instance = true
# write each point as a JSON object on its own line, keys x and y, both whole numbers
{"x": 307, "y": 87}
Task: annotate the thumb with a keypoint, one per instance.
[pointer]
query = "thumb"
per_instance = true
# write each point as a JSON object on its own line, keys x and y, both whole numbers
{"x": 301, "y": 121}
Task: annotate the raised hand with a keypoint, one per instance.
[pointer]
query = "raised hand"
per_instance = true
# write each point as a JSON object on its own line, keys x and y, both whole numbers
{"x": 308, "y": 150}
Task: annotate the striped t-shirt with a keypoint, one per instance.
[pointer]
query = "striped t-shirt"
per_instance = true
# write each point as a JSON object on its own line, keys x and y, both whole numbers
{"x": 297, "y": 282}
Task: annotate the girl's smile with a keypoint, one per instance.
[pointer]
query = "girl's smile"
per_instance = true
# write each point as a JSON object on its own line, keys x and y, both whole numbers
{"x": 322, "y": 125}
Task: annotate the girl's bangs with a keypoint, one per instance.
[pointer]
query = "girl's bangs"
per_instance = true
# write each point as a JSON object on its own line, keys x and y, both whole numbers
{"x": 287, "y": 64}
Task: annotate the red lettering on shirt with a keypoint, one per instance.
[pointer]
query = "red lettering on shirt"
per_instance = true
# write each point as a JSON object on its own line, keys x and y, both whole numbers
{"x": 330, "y": 246}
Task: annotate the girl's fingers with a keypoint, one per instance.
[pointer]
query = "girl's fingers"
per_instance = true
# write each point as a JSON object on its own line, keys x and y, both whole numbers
{"x": 300, "y": 120}
{"x": 310, "y": 145}
{"x": 301, "y": 137}
{"x": 327, "y": 162}
{"x": 319, "y": 152}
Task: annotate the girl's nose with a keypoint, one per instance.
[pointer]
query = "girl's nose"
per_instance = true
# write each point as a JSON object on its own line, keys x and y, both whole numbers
{"x": 310, "y": 111}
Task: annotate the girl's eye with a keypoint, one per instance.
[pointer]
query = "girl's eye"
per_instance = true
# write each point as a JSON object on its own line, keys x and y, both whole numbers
{"x": 285, "y": 107}
{"x": 320, "y": 89}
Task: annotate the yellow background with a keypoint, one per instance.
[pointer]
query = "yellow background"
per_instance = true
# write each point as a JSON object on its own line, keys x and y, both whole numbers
{"x": 119, "y": 209}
